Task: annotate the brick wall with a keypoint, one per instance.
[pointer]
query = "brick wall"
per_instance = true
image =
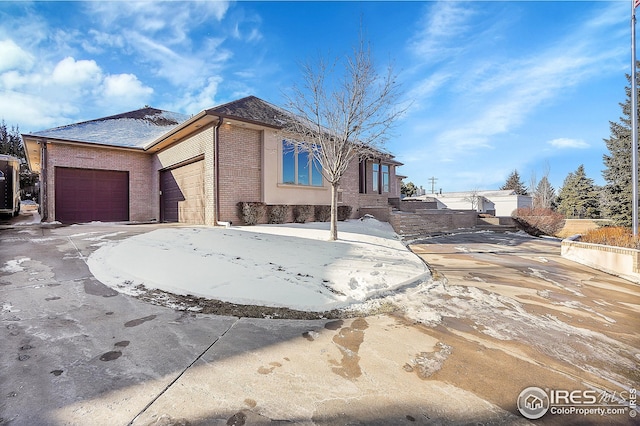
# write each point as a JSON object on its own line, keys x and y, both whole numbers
{"x": 412, "y": 206}
{"x": 425, "y": 222}
{"x": 350, "y": 186}
{"x": 240, "y": 169}
{"x": 195, "y": 145}
{"x": 190, "y": 147}
{"x": 137, "y": 163}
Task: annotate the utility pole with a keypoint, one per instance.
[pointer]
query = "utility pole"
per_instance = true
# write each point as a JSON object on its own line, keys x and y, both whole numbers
{"x": 433, "y": 180}
{"x": 634, "y": 121}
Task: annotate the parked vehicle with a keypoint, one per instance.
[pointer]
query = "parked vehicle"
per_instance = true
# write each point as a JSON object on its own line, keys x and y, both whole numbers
{"x": 9, "y": 185}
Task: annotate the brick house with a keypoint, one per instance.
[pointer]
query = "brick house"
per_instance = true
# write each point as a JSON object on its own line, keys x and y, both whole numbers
{"x": 149, "y": 164}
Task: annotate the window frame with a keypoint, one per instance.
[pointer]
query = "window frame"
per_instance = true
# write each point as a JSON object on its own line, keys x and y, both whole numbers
{"x": 376, "y": 177}
{"x": 386, "y": 175}
{"x": 313, "y": 176}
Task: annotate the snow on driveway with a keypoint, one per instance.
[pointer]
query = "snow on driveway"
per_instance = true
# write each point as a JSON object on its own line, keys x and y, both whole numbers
{"x": 291, "y": 265}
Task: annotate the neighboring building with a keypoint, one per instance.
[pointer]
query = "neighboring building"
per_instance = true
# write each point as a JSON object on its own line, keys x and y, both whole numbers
{"x": 497, "y": 203}
{"x": 149, "y": 164}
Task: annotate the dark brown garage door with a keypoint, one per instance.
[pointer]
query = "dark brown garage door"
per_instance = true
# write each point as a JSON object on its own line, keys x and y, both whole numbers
{"x": 182, "y": 194}
{"x": 85, "y": 195}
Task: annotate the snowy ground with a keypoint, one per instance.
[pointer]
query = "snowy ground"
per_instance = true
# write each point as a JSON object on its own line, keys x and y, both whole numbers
{"x": 291, "y": 265}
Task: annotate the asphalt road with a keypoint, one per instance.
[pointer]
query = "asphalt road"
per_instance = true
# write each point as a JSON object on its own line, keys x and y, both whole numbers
{"x": 75, "y": 352}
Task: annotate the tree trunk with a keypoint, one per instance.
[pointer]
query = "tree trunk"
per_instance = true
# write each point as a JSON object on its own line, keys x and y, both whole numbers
{"x": 333, "y": 233}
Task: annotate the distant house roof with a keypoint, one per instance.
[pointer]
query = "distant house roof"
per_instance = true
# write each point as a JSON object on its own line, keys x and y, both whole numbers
{"x": 133, "y": 129}
{"x": 486, "y": 194}
{"x": 491, "y": 195}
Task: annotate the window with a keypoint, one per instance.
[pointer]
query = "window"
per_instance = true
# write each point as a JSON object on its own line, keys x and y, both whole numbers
{"x": 363, "y": 176}
{"x": 380, "y": 178}
{"x": 288, "y": 163}
{"x": 376, "y": 177}
{"x": 299, "y": 167}
{"x": 385, "y": 178}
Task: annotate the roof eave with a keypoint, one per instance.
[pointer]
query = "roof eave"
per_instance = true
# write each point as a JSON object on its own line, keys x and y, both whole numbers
{"x": 245, "y": 120}
{"x": 32, "y": 149}
{"x": 82, "y": 143}
{"x": 186, "y": 127}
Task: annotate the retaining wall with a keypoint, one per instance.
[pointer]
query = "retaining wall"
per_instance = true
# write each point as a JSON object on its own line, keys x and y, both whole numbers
{"x": 424, "y": 222}
{"x": 617, "y": 261}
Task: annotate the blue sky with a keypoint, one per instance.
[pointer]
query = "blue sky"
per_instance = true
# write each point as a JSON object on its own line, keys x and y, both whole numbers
{"x": 494, "y": 86}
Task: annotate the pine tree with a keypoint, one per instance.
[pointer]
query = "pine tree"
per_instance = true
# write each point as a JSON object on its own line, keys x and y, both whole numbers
{"x": 409, "y": 189}
{"x": 618, "y": 190}
{"x": 515, "y": 183}
{"x": 579, "y": 196}
{"x": 544, "y": 195}
{"x": 11, "y": 144}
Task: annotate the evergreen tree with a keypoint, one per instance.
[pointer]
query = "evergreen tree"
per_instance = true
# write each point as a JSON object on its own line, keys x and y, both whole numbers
{"x": 579, "y": 196}
{"x": 515, "y": 183}
{"x": 544, "y": 195}
{"x": 408, "y": 189}
{"x": 11, "y": 144}
{"x": 618, "y": 190}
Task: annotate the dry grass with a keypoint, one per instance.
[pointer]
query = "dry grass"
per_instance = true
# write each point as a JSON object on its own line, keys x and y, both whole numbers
{"x": 612, "y": 236}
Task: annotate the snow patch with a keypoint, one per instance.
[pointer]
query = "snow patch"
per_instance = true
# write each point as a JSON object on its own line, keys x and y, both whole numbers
{"x": 291, "y": 265}
{"x": 13, "y": 266}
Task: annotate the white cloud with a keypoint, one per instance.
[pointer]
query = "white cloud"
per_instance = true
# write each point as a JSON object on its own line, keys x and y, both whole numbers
{"x": 165, "y": 38}
{"x": 422, "y": 92}
{"x": 562, "y": 143}
{"x": 442, "y": 25}
{"x": 69, "y": 72}
{"x": 13, "y": 57}
{"x": 125, "y": 90}
{"x": 492, "y": 95}
{"x": 56, "y": 93}
{"x": 91, "y": 68}
{"x": 474, "y": 106}
{"x": 200, "y": 99}
{"x": 169, "y": 23}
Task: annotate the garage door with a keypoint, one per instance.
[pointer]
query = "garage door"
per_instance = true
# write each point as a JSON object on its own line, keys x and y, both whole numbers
{"x": 85, "y": 195}
{"x": 182, "y": 194}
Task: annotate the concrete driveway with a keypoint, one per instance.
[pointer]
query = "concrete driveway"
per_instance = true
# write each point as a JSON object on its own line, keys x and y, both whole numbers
{"x": 74, "y": 352}
{"x": 517, "y": 314}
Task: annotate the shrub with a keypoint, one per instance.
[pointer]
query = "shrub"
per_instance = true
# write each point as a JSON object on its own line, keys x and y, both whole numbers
{"x": 344, "y": 212}
{"x": 302, "y": 213}
{"x": 278, "y": 213}
{"x": 539, "y": 221}
{"x": 322, "y": 213}
{"x": 612, "y": 236}
{"x": 251, "y": 213}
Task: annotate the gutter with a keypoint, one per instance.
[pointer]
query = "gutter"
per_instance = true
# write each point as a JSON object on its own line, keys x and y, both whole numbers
{"x": 216, "y": 171}
{"x": 85, "y": 143}
{"x": 44, "y": 210}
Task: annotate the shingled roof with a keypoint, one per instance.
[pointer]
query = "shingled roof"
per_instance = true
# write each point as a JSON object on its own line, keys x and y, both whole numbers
{"x": 254, "y": 110}
{"x": 132, "y": 129}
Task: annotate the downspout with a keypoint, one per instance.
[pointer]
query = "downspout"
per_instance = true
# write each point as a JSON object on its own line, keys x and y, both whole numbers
{"x": 44, "y": 210}
{"x": 216, "y": 172}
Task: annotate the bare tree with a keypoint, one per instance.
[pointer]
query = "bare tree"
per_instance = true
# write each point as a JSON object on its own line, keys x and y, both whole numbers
{"x": 342, "y": 116}
{"x": 543, "y": 193}
{"x": 533, "y": 182}
{"x": 474, "y": 199}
